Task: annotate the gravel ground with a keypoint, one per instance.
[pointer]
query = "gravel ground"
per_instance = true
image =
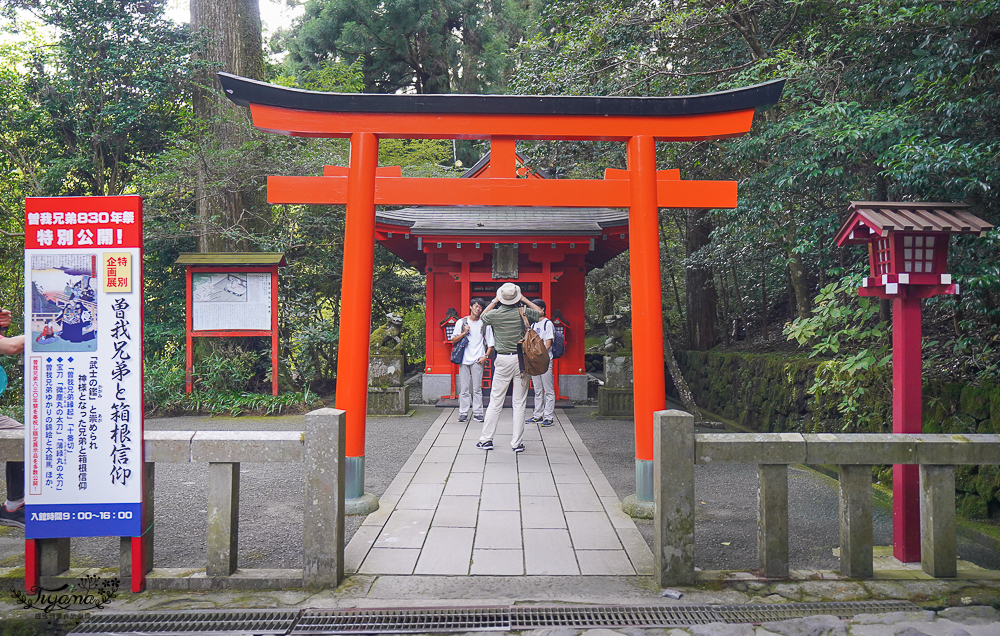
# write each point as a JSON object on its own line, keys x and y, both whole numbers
{"x": 726, "y": 500}
{"x": 270, "y": 498}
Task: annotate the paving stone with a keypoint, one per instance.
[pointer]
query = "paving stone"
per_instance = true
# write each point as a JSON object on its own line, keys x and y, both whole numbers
{"x": 721, "y": 629}
{"x": 533, "y": 464}
{"x": 541, "y": 512}
{"x": 469, "y": 463}
{"x": 446, "y": 551}
{"x": 356, "y": 551}
{"x": 420, "y": 497}
{"x": 498, "y": 530}
{"x": 405, "y": 529}
{"x": 431, "y": 473}
{"x": 888, "y": 618}
{"x": 538, "y": 485}
{"x": 548, "y": 551}
{"x": 457, "y": 512}
{"x": 811, "y": 626}
{"x": 390, "y": 561}
{"x": 834, "y": 590}
{"x": 448, "y": 440}
{"x": 592, "y": 531}
{"x": 500, "y": 473}
{"x": 614, "y": 562}
{"x": 499, "y": 497}
{"x": 498, "y": 563}
{"x": 579, "y": 498}
{"x": 444, "y": 454}
{"x": 464, "y": 484}
{"x": 976, "y": 615}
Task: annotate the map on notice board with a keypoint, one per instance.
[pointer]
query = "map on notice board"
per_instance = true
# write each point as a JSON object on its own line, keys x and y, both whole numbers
{"x": 231, "y": 300}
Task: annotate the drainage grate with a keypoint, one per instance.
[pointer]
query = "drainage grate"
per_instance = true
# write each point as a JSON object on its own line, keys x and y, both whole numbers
{"x": 787, "y": 611}
{"x": 528, "y": 617}
{"x": 191, "y": 622}
{"x": 401, "y": 621}
{"x": 461, "y": 619}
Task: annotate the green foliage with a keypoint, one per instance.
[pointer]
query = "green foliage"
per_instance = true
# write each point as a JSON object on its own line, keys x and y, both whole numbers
{"x": 219, "y": 379}
{"x": 424, "y": 47}
{"x": 415, "y": 336}
{"x": 858, "y": 378}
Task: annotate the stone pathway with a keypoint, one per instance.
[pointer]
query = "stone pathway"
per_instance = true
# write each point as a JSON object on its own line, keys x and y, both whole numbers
{"x": 454, "y": 509}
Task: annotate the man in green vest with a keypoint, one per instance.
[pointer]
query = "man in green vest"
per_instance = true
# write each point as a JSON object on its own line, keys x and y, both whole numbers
{"x": 504, "y": 316}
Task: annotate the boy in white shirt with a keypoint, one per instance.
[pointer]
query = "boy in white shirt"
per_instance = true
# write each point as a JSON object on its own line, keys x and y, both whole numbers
{"x": 470, "y": 372}
{"x": 544, "y": 385}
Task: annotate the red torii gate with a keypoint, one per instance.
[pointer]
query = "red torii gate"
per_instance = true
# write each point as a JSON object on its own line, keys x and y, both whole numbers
{"x": 364, "y": 118}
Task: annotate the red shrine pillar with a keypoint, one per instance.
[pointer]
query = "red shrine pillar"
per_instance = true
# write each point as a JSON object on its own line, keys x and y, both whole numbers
{"x": 907, "y": 417}
{"x": 647, "y": 308}
{"x": 356, "y": 300}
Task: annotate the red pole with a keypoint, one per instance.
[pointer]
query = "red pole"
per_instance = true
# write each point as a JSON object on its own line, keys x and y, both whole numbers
{"x": 189, "y": 354}
{"x": 274, "y": 330}
{"x": 138, "y": 565}
{"x": 32, "y": 577}
{"x": 356, "y": 299}
{"x": 907, "y": 417}
{"x": 647, "y": 309}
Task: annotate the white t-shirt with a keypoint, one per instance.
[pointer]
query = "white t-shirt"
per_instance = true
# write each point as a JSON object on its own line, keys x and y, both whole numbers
{"x": 545, "y": 331}
{"x": 479, "y": 340}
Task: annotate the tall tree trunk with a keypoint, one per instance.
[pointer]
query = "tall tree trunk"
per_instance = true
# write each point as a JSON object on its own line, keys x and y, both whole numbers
{"x": 683, "y": 390}
{"x": 700, "y": 287}
{"x": 235, "y": 46}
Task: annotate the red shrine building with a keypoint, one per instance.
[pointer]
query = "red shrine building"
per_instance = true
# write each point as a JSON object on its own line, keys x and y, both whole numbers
{"x": 468, "y": 251}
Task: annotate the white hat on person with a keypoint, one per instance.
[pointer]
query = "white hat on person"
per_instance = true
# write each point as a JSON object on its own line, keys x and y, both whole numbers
{"x": 509, "y": 294}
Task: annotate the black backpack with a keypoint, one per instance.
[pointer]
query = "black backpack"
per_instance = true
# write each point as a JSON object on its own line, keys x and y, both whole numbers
{"x": 558, "y": 344}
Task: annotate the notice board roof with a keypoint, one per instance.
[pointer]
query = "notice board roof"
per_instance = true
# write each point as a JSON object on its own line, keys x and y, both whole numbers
{"x": 216, "y": 259}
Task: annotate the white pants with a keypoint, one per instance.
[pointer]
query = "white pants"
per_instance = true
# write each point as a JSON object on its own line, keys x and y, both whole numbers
{"x": 545, "y": 395}
{"x": 470, "y": 389}
{"x": 505, "y": 371}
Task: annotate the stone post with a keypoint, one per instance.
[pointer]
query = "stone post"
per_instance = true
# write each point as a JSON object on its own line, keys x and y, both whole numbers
{"x": 125, "y": 548}
{"x": 772, "y": 520}
{"x": 673, "y": 492}
{"x": 856, "y": 521}
{"x": 323, "y": 513}
{"x": 53, "y": 556}
{"x": 938, "y": 555}
{"x": 223, "y": 517}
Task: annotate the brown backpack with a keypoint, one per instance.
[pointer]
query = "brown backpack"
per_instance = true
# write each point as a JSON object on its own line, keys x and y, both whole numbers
{"x": 533, "y": 352}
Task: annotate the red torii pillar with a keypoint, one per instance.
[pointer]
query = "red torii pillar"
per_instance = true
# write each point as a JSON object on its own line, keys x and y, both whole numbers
{"x": 503, "y": 119}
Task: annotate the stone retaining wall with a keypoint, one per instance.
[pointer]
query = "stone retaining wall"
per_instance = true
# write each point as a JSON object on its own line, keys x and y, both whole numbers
{"x": 767, "y": 393}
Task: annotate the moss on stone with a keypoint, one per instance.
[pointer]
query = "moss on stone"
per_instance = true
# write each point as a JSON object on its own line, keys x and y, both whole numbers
{"x": 975, "y": 402}
{"x": 971, "y": 507}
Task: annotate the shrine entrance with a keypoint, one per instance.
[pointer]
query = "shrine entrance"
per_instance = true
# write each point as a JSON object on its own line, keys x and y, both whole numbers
{"x": 468, "y": 251}
{"x": 502, "y": 119}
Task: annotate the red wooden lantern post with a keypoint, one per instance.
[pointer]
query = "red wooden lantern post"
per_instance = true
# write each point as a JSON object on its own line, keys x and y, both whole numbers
{"x": 448, "y": 325}
{"x": 908, "y": 260}
{"x": 501, "y": 119}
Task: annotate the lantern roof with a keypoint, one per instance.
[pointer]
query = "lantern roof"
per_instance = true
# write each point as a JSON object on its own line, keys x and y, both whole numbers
{"x": 868, "y": 220}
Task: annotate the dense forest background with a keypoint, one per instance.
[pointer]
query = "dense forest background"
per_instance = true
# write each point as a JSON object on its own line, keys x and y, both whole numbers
{"x": 891, "y": 100}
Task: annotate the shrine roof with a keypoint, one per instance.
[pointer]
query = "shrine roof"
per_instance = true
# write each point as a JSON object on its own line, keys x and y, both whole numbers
{"x": 244, "y": 92}
{"x": 882, "y": 217}
{"x": 504, "y": 221}
{"x": 231, "y": 258}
